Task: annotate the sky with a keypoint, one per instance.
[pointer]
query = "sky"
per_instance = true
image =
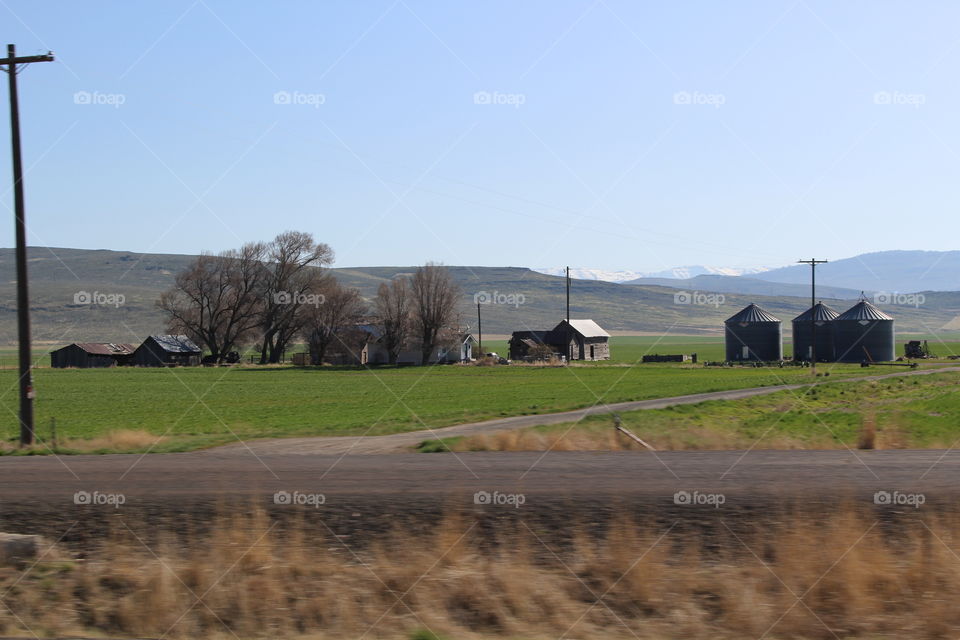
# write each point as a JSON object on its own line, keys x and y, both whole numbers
{"x": 600, "y": 133}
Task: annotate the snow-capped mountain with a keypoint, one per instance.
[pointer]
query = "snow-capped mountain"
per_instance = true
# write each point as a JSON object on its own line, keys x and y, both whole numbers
{"x": 680, "y": 273}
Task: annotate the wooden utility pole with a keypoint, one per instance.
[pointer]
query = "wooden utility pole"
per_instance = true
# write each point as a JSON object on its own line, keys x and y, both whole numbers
{"x": 813, "y": 312}
{"x": 23, "y": 298}
{"x": 567, "y": 337}
{"x": 479, "y": 333}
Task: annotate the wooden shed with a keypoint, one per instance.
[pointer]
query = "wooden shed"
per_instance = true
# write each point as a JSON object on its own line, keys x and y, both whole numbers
{"x": 167, "y": 351}
{"x": 587, "y": 341}
{"x": 580, "y": 340}
{"x": 85, "y": 355}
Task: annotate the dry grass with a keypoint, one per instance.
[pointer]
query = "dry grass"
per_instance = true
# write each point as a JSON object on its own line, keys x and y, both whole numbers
{"x": 120, "y": 440}
{"x": 611, "y": 440}
{"x": 840, "y": 575}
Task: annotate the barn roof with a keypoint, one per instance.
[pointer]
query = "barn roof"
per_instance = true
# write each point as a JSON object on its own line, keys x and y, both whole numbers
{"x": 176, "y": 344}
{"x": 586, "y": 328}
{"x": 752, "y": 313}
{"x": 863, "y": 310}
{"x": 539, "y": 337}
{"x": 105, "y": 348}
{"x": 820, "y": 313}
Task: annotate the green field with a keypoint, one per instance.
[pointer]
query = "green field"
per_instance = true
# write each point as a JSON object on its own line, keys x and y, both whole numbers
{"x": 203, "y": 406}
{"x": 911, "y": 412}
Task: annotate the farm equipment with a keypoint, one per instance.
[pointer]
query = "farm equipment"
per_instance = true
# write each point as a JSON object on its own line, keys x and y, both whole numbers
{"x": 915, "y": 349}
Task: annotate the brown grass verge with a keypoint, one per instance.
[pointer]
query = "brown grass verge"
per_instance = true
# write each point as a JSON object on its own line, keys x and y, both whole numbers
{"x": 120, "y": 440}
{"x": 838, "y": 576}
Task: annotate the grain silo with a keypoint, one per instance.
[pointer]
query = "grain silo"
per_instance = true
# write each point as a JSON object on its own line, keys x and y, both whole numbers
{"x": 753, "y": 334}
{"x": 803, "y": 333}
{"x": 863, "y": 332}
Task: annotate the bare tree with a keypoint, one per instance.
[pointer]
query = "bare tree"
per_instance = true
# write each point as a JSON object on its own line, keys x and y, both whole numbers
{"x": 217, "y": 300}
{"x": 328, "y": 323}
{"x": 392, "y": 311}
{"x": 434, "y": 300}
{"x": 293, "y": 282}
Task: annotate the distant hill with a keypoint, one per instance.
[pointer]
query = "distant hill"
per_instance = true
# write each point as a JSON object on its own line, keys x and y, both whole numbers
{"x": 519, "y": 299}
{"x": 889, "y": 271}
{"x": 747, "y": 286}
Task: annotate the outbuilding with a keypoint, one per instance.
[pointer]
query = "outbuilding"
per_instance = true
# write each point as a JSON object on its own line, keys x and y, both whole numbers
{"x": 814, "y": 326}
{"x": 85, "y": 355}
{"x": 752, "y": 334}
{"x": 578, "y": 340}
{"x": 167, "y": 351}
{"x": 864, "y": 333}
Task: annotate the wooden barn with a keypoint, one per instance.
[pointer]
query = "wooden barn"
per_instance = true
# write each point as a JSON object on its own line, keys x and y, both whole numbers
{"x": 167, "y": 351}
{"x": 587, "y": 340}
{"x": 86, "y": 355}
{"x": 580, "y": 340}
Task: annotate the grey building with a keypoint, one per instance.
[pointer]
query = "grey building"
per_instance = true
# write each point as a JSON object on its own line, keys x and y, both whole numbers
{"x": 167, "y": 351}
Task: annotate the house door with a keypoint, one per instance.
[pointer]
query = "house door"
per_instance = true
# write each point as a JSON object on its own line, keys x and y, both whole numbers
{"x": 591, "y": 352}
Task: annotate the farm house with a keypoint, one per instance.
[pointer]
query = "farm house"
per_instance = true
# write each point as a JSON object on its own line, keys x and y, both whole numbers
{"x": 581, "y": 339}
{"x": 455, "y": 348}
{"x": 86, "y": 355}
{"x": 167, "y": 351}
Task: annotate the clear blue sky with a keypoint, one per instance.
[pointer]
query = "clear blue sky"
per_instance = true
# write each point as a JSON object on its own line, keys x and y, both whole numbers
{"x": 617, "y": 135}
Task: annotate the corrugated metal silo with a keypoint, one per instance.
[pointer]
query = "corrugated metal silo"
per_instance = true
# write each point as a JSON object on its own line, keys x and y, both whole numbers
{"x": 754, "y": 334}
{"x": 863, "y": 332}
{"x": 823, "y": 316}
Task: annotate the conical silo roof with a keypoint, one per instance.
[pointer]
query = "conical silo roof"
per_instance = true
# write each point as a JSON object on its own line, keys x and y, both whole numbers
{"x": 751, "y": 314}
{"x": 820, "y": 313}
{"x": 863, "y": 310}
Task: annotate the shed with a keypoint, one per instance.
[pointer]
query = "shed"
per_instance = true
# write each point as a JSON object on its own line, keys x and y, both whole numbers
{"x": 86, "y": 355}
{"x": 581, "y": 339}
{"x": 521, "y": 342}
{"x": 753, "y": 334}
{"x": 822, "y": 317}
{"x": 864, "y": 332}
{"x": 167, "y": 351}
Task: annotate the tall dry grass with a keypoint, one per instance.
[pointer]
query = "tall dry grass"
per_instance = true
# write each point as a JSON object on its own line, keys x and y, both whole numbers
{"x": 841, "y": 575}
{"x": 611, "y": 440}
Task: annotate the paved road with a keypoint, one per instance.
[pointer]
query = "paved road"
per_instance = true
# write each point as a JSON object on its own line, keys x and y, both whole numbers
{"x": 191, "y": 477}
{"x": 352, "y": 445}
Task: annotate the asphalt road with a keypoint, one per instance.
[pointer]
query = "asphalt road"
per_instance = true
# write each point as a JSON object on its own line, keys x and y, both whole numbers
{"x": 742, "y": 476}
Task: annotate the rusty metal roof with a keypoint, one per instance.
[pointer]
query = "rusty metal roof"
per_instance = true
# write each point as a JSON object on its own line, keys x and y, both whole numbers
{"x": 106, "y": 348}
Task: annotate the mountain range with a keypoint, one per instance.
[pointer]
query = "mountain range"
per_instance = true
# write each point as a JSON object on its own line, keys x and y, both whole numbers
{"x": 124, "y": 286}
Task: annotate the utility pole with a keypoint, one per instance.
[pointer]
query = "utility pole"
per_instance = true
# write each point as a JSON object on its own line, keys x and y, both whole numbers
{"x": 23, "y": 298}
{"x": 813, "y": 312}
{"x": 567, "y": 337}
{"x": 479, "y": 332}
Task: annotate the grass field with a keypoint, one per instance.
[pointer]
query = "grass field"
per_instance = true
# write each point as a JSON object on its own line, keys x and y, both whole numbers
{"x": 201, "y": 406}
{"x": 902, "y": 413}
{"x": 127, "y": 408}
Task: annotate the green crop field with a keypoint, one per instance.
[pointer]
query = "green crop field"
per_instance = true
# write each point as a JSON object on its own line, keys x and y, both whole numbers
{"x": 910, "y": 412}
{"x": 202, "y": 406}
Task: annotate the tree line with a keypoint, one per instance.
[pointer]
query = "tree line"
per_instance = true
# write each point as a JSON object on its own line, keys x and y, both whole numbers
{"x": 270, "y": 294}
